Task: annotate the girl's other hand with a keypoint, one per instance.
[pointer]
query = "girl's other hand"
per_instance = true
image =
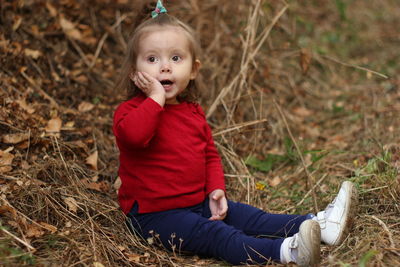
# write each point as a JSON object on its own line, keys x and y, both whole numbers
{"x": 218, "y": 205}
{"x": 150, "y": 86}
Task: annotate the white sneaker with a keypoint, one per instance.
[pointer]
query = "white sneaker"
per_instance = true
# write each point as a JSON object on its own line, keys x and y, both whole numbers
{"x": 336, "y": 220}
{"x": 304, "y": 247}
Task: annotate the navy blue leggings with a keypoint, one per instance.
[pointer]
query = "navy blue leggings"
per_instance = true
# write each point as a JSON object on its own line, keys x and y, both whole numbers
{"x": 246, "y": 235}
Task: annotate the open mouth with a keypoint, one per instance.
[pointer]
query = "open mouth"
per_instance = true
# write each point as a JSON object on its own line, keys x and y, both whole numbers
{"x": 166, "y": 82}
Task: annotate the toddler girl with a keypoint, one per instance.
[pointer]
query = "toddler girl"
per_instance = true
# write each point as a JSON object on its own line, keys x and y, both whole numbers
{"x": 172, "y": 178}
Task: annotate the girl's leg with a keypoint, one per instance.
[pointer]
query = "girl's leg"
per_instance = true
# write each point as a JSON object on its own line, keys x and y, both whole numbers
{"x": 188, "y": 230}
{"x": 256, "y": 222}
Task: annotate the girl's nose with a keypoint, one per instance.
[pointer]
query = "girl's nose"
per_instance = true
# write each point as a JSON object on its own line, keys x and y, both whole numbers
{"x": 165, "y": 67}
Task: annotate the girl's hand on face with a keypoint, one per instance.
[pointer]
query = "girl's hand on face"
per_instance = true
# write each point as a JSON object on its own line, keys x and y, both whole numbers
{"x": 150, "y": 86}
{"x": 218, "y": 205}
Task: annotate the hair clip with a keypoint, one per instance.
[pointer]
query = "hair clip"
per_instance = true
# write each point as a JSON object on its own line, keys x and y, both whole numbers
{"x": 158, "y": 10}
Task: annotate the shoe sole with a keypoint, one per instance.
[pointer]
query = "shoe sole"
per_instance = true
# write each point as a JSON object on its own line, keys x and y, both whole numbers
{"x": 350, "y": 211}
{"x": 312, "y": 230}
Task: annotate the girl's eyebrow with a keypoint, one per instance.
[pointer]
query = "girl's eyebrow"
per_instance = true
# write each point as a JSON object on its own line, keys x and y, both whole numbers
{"x": 172, "y": 50}
{"x": 150, "y": 51}
{"x": 179, "y": 51}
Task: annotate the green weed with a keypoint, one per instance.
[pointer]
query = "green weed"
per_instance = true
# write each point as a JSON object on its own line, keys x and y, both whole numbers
{"x": 367, "y": 257}
{"x": 10, "y": 255}
{"x": 341, "y": 7}
{"x": 377, "y": 169}
{"x": 271, "y": 161}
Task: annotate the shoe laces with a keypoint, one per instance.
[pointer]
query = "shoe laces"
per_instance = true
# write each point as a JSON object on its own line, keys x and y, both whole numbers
{"x": 329, "y": 208}
{"x": 293, "y": 248}
{"x": 294, "y": 243}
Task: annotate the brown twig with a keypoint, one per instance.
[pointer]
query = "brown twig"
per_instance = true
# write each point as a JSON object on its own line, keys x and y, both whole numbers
{"x": 307, "y": 194}
{"x": 392, "y": 247}
{"x": 238, "y": 126}
{"x": 310, "y": 180}
{"x": 40, "y": 90}
{"x": 103, "y": 39}
{"x": 249, "y": 57}
{"x": 355, "y": 66}
{"x": 18, "y": 239}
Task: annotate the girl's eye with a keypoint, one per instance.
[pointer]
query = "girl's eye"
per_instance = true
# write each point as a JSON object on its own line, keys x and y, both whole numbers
{"x": 152, "y": 59}
{"x": 176, "y": 58}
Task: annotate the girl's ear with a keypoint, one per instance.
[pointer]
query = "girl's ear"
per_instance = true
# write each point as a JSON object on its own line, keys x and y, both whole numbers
{"x": 195, "y": 69}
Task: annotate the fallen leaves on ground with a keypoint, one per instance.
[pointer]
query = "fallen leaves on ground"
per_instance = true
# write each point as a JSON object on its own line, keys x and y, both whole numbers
{"x": 6, "y": 159}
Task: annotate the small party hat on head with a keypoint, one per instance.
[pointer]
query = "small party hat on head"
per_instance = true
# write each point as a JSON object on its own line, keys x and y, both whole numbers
{"x": 158, "y": 10}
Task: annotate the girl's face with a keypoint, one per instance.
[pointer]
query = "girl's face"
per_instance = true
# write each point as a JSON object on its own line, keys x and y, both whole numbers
{"x": 163, "y": 52}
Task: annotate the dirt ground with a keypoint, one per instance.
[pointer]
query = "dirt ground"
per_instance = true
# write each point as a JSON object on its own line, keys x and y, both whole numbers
{"x": 301, "y": 95}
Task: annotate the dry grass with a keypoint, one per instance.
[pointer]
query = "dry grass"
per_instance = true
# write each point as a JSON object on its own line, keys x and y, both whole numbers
{"x": 321, "y": 63}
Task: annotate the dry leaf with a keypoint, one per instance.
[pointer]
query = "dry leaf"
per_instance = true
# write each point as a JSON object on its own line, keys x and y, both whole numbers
{"x": 117, "y": 184}
{"x": 17, "y": 23}
{"x": 52, "y": 10}
{"x": 78, "y": 144}
{"x": 71, "y": 203}
{"x": 337, "y": 141}
{"x": 312, "y": 131}
{"x": 13, "y": 224}
{"x": 22, "y": 103}
{"x": 25, "y": 165}
{"x": 16, "y": 48}
{"x": 34, "y": 231}
{"x": 134, "y": 257}
{"x": 302, "y": 111}
{"x": 54, "y": 126}
{"x": 4, "y": 209}
{"x": 305, "y": 60}
{"x": 49, "y": 227}
{"x": 94, "y": 178}
{"x": 36, "y": 182}
{"x": 55, "y": 76}
{"x": 70, "y": 124}
{"x": 35, "y": 30}
{"x": 81, "y": 79}
{"x": 97, "y": 264}
{"x": 6, "y": 159}
{"x": 92, "y": 160}
{"x": 308, "y": 160}
{"x": 85, "y": 106}
{"x": 99, "y": 186}
{"x": 15, "y": 138}
{"x": 69, "y": 29}
{"x": 275, "y": 181}
{"x": 35, "y": 54}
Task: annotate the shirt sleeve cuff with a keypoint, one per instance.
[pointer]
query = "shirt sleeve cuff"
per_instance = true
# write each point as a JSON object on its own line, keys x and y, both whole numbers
{"x": 151, "y": 103}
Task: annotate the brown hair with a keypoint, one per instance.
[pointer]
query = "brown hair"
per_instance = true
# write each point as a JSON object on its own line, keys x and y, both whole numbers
{"x": 125, "y": 83}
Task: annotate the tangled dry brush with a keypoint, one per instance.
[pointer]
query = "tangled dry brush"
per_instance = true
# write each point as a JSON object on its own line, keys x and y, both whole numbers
{"x": 301, "y": 95}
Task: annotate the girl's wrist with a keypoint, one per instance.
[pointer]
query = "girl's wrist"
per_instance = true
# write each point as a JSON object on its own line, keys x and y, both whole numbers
{"x": 159, "y": 98}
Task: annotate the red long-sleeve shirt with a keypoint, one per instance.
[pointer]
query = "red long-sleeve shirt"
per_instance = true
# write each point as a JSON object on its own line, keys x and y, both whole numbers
{"x": 167, "y": 155}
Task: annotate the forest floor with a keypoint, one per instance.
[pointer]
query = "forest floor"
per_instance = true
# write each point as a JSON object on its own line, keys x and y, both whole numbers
{"x": 298, "y": 94}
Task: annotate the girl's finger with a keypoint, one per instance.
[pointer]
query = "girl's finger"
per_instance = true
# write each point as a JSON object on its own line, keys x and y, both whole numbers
{"x": 224, "y": 207}
{"x": 132, "y": 76}
{"x": 138, "y": 81}
{"x": 147, "y": 76}
{"x": 141, "y": 78}
{"x": 144, "y": 84}
{"x": 214, "y": 218}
